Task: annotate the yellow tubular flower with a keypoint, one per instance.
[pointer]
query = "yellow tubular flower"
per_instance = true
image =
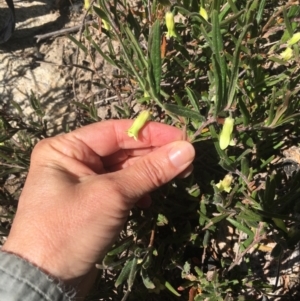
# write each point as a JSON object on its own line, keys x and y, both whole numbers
{"x": 106, "y": 25}
{"x": 287, "y": 54}
{"x": 224, "y": 185}
{"x": 170, "y": 25}
{"x": 294, "y": 39}
{"x": 138, "y": 124}
{"x": 203, "y": 13}
{"x": 86, "y": 4}
{"x": 225, "y": 136}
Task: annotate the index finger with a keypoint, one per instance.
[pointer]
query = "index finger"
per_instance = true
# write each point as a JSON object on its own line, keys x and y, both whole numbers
{"x": 107, "y": 137}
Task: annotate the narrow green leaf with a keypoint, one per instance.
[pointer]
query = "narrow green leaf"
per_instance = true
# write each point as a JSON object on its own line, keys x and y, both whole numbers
{"x": 199, "y": 18}
{"x": 269, "y": 193}
{"x": 231, "y": 19}
{"x": 260, "y": 11}
{"x": 120, "y": 246}
{"x": 125, "y": 272}
{"x": 77, "y": 43}
{"x": 220, "y": 67}
{"x": 182, "y": 111}
{"x": 207, "y": 37}
{"x": 206, "y": 239}
{"x": 192, "y": 98}
{"x": 235, "y": 68}
{"x": 245, "y": 166}
{"x": 110, "y": 263}
{"x": 233, "y": 6}
{"x": 249, "y": 215}
{"x": 17, "y": 107}
{"x": 218, "y": 218}
{"x": 149, "y": 284}
{"x": 244, "y": 111}
{"x": 287, "y": 23}
{"x": 101, "y": 14}
{"x": 155, "y": 56}
{"x": 241, "y": 227}
{"x": 135, "y": 46}
{"x": 99, "y": 50}
{"x": 132, "y": 273}
{"x": 250, "y": 11}
{"x": 171, "y": 288}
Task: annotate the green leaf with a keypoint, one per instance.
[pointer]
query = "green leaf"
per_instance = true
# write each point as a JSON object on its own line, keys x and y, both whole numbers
{"x": 245, "y": 166}
{"x": 17, "y": 107}
{"x": 287, "y": 23}
{"x": 218, "y": 218}
{"x": 192, "y": 98}
{"x": 149, "y": 284}
{"x": 260, "y": 11}
{"x": 78, "y": 44}
{"x": 134, "y": 44}
{"x": 132, "y": 273}
{"x": 269, "y": 194}
{"x": 101, "y": 14}
{"x": 102, "y": 53}
{"x": 120, "y": 246}
{"x": 155, "y": 56}
{"x": 235, "y": 68}
{"x": 241, "y": 227}
{"x": 171, "y": 288}
{"x": 231, "y": 19}
{"x": 244, "y": 111}
{"x": 206, "y": 239}
{"x": 185, "y": 112}
{"x": 125, "y": 272}
{"x": 220, "y": 67}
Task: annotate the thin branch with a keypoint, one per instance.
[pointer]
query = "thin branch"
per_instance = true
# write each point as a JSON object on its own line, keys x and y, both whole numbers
{"x": 60, "y": 32}
{"x": 83, "y": 23}
{"x": 12, "y": 165}
{"x": 256, "y": 240}
{"x": 276, "y": 14}
{"x": 203, "y": 125}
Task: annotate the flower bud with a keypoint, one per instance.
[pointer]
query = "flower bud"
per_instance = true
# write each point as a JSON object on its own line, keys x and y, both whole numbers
{"x": 138, "y": 124}
{"x": 106, "y": 25}
{"x": 203, "y": 13}
{"x": 86, "y": 4}
{"x": 170, "y": 25}
{"x": 294, "y": 39}
{"x": 287, "y": 54}
{"x": 224, "y": 185}
{"x": 225, "y": 136}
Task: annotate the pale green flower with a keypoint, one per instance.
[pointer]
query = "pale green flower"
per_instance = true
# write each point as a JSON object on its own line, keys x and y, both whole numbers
{"x": 106, "y": 25}
{"x": 170, "y": 25}
{"x": 294, "y": 39}
{"x": 86, "y": 4}
{"x": 225, "y": 136}
{"x": 203, "y": 13}
{"x": 287, "y": 54}
{"x": 225, "y": 184}
{"x": 138, "y": 123}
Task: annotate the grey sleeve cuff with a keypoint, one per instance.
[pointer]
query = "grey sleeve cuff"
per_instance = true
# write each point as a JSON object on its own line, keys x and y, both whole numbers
{"x": 22, "y": 281}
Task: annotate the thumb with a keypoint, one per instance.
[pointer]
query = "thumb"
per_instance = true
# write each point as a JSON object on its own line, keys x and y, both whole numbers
{"x": 154, "y": 169}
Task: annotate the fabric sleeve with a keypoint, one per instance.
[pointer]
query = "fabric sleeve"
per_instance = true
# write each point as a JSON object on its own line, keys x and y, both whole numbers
{"x": 22, "y": 281}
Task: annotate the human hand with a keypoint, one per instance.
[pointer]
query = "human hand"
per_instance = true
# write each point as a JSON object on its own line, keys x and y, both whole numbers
{"x": 81, "y": 187}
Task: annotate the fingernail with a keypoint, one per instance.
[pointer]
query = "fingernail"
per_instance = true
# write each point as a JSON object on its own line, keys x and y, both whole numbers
{"x": 182, "y": 154}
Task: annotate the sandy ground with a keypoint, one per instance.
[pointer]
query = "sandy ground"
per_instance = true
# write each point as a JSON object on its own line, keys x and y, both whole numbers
{"x": 42, "y": 68}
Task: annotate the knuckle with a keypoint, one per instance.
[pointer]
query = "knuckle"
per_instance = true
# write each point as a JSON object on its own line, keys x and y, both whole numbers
{"x": 40, "y": 145}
